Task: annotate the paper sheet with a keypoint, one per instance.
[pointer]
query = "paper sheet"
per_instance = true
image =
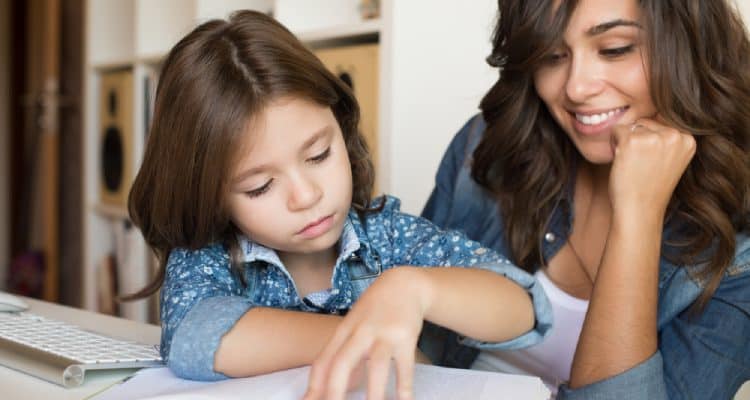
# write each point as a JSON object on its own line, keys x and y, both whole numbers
{"x": 430, "y": 382}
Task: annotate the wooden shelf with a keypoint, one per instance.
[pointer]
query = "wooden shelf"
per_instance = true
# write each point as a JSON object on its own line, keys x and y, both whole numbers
{"x": 112, "y": 64}
{"x": 339, "y": 32}
{"x": 111, "y": 212}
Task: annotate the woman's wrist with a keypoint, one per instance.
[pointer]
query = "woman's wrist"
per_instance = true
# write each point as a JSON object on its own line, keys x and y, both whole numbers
{"x": 638, "y": 220}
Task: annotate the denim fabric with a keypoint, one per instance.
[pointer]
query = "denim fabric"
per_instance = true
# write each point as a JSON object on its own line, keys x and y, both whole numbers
{"x": 705, "y": 357}
{"x": 202, "y": 300}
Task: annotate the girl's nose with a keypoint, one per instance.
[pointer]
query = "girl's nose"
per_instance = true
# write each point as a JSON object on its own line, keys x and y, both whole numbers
{"x": 305, "y": 193}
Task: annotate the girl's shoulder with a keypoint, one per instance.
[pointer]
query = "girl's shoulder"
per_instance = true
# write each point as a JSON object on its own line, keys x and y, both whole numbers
{"x": 381, "y": 210}
{"x": 214, "y": 254}
{"x": 386, "y": 218}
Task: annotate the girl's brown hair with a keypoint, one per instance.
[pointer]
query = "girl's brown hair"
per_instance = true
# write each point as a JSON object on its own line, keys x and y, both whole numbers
{"x": 700, "y": 83}
{"x": 212, "y": 83}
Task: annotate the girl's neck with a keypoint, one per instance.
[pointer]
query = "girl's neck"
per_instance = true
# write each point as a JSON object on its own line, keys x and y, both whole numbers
{"x": 311, "y": 272}
{"x": 321, "y": 260}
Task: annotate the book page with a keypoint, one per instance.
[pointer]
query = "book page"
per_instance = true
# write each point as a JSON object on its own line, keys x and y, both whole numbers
{"x": 430, "y": 382}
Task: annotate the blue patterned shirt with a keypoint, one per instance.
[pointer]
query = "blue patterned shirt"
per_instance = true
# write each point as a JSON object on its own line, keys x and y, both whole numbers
{"x": 202, "y": 299}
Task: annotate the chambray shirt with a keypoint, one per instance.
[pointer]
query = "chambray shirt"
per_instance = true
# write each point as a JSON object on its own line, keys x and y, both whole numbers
{"x": 202, "y": 299}
{"x": 707, "y": 357}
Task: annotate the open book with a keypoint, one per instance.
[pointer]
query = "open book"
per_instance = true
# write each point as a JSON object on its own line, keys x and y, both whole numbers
{"x": 430, "y": 382}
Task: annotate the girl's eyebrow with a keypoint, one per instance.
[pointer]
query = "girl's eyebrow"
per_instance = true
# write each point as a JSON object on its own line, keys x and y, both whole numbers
{"x": 605, "y": 26}
{"x": 317, "y": 135}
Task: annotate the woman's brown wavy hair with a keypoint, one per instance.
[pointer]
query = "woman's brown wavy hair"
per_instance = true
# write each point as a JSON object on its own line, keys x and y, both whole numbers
{"x": 212, "y": 83}
{"x": 699, "y": 82}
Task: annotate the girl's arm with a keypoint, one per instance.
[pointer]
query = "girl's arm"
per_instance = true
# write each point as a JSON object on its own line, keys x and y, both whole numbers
{"x": 486, "y": 302}
{"x": 268, "y": 339}
{"x": 386, "y": 321}
{"x": 211, "y": 329}
{"x": 620, "y": 330}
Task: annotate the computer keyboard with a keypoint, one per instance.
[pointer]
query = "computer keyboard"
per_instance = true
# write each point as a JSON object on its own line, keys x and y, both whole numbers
{"x": 62, "y": 353}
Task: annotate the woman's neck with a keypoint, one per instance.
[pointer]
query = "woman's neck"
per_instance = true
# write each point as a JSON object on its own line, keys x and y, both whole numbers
{"x": 596, "y": 176}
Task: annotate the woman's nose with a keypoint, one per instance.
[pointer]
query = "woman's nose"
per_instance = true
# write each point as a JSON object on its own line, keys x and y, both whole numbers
{"x": 583, "y": 80}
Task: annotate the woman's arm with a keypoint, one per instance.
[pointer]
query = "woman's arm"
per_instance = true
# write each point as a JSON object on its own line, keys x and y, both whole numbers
{"x": 620, "y": 326}
{"x": 619, "y": 331}
{"x": 704, "y": 356}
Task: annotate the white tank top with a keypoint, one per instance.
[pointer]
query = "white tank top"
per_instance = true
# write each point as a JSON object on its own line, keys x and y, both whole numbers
{"x": 552, "y": 358}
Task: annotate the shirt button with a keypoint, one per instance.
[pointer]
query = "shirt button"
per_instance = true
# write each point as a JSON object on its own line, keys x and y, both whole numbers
{"x": 549, "y": 237}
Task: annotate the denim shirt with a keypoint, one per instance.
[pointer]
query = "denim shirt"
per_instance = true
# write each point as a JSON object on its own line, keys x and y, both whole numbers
{"x": 202, "y": 299}
{"x": 707, "y": 357}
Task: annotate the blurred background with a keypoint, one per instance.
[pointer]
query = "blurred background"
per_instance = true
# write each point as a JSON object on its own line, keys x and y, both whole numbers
{"x": 77, "y": 81}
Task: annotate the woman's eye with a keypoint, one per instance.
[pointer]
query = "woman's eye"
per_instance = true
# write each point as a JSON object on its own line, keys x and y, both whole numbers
{"x": 259, "y": 191}
{"x": 320, "y": 157}
{"x": 554, "y": 58}
{"x": 616, "y": 51}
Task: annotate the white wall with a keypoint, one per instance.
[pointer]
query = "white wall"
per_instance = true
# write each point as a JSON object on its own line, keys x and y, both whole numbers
{"x": 744, "y": 6}
{"x": 437, "y": 77}
{"x": 4, "y": 139}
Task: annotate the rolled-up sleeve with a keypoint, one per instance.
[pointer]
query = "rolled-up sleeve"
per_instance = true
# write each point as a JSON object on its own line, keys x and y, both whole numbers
{"x": 200, "y": 302}
{"x": 197, "y": 338}
{"x": 644, "y": 381}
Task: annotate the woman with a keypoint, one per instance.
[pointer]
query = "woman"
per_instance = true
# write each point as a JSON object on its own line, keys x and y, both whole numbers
{"x": 612, "y": 159}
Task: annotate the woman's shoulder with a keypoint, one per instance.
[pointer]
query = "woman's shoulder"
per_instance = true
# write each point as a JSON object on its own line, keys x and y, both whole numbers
{"x": 467, "y": 138}
{"x": 741, "y": 262}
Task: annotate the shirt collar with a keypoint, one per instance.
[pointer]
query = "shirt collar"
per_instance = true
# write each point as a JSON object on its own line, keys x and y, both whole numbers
{"x": 252, "y": 251}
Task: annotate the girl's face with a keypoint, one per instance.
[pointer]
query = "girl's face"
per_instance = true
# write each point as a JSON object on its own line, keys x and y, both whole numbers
{"x": 596, "y": 78}
{"x": 292, "y": 188}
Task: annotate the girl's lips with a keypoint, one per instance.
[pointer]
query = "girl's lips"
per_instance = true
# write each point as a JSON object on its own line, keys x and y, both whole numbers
{"x": 317, "y": 228}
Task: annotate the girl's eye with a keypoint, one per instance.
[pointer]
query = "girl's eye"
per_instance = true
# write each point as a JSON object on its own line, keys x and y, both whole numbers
{"x": 259, "y": 191}
{"x": 616, "y": 51}
{"x": 320, "y": 157}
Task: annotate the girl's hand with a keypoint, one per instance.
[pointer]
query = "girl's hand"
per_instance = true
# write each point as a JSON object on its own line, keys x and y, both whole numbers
{"x": 384, "y": 324}
{"x": 649, "y": 160}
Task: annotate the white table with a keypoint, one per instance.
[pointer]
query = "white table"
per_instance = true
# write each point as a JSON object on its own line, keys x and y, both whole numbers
{"x": 18, "y": 385}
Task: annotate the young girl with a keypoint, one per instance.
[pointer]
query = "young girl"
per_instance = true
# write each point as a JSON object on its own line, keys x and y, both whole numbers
{"x": 255, "y": 194}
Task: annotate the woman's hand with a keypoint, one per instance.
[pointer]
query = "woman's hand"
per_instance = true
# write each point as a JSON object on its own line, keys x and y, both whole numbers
{"x": 649, "y": 160}
{"x": 384, "y": 324}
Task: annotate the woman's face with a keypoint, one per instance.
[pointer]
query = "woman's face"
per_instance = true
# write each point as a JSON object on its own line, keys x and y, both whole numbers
{"x": 596, "y": 77}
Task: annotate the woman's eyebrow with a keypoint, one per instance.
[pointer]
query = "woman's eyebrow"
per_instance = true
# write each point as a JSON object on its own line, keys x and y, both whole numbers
{"x": 605, "y": 26}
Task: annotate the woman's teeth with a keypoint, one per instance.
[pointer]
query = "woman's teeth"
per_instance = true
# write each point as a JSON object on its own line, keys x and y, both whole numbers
{"x": 596, "y": 119}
